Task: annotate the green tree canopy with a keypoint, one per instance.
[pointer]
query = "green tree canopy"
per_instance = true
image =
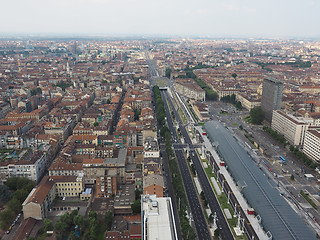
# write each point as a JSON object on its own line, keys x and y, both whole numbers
{"x": 216, "y": 233}
{"x": 36, "y": 91}
{"x": 232, "y": 99}
{"x": 63, "y": 85}
{"x": 168, "y": 73}
{"x": 6, "y": 217}
{"x": 137, "y": 193}
{"x": 292, "y": 177}
{"x": 108, "y": 218}
{"x": 5, "y": 194}
{"x": 15, "y": 205}
{"x": 137, "y": 113}
{"x": 72, "y": 236}
{"x": 136, "y": 206}
{"x": 211, "y": 218}
{"x": 48, "y": 224}
{"x": 15, "y": 183}
{"x": 234, "y": 75}
{"x": 21, "y": 195}
{"x": 257, "y": 115}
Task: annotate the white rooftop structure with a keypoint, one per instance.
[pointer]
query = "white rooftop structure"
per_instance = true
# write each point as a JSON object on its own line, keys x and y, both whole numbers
{"x": 157, "y": 217}
{"x": 87, "y": 191}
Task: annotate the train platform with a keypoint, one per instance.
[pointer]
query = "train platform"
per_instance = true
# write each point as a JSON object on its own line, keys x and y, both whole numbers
{"x": 277, "y": 217}
{"x": 243, "y": 203}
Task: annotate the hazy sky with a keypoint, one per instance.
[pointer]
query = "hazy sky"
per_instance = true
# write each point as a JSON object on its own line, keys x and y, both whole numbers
{"x": 216, "y": 18}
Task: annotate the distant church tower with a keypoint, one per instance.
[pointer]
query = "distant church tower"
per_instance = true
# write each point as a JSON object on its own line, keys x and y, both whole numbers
{"x": 68, "y": 68}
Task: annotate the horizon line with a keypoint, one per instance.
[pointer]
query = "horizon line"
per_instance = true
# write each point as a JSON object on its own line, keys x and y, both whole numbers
{"x": 6, "y": 35}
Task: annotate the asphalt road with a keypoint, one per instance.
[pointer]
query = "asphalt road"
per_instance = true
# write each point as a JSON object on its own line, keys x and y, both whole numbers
{"x": 192, "y": 195}
{"x": 224, "y": 231}
{"x": 165, "y": 165}
{"x": 170, "y": 191}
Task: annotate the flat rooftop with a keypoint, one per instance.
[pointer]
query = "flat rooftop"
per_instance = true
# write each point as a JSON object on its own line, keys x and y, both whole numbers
{"x": 261, "y": 193}
{"x": 158, "y": 221}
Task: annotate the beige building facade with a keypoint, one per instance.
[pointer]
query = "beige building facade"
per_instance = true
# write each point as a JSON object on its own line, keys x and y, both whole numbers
{"x": 189, "y": 88}
{"x": 39, "y": 202}
{"x": 248, "y": 103}
{"x": 311, "y": 145}
{"x": 291, "y": 127}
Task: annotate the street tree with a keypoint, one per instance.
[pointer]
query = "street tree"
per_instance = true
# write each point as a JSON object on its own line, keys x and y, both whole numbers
{"x": 5, "y": 194}
{"x": 15, "y": 205}
{"x": 216, "y": 233}
{"x": 257, "y": 115}
{"x": 292, "y": 177}
{"x": 6, "y": 218}
{"x": 108, "y": 218}
{"x": 210, "y": 218}
{"x": 234, "y": 75}
{"x": 21, "y": 195}
{"x": 136, "y": 206}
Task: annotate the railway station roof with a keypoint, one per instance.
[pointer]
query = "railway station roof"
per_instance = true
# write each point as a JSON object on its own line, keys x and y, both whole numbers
{"x": 260, "y": 191}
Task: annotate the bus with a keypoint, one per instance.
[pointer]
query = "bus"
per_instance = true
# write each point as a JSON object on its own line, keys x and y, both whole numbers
{"x": 284, "y": 161}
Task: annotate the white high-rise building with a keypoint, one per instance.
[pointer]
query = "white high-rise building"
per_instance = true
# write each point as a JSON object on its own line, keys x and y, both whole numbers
{"x": 291, "y": 127}
{"x": 311, "y": 145}
{"x": 157, "y": 218}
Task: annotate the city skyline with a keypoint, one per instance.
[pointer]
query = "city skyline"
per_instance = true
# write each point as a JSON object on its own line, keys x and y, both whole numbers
{"x": 216, "y": 19}
{"x": 119, "y": 138}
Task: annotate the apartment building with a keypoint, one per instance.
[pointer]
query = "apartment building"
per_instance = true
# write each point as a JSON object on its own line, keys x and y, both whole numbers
{"x": 291, "y": 127}
{"x": 39, "y": 201}
{"x": 271, "y": 96}
{"x": 248, "y": 101}
{"x": 151, "y": 148}
{"x": 223, "y": 91}
{"x": 101, "y": 167}
{"x": 61, "y": 168}
{"x": 201, "y": 111}
{"x": 311, "y": 146}
{"x": 157, "y": 213}
{"x": 69, "y": 186}
{"x": 153, "y": 184}
{"x": 189, "y": 88}
{"x": 32, "y": 168}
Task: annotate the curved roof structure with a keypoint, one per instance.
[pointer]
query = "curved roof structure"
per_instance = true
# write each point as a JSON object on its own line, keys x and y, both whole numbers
{"x": 261, "y": 193}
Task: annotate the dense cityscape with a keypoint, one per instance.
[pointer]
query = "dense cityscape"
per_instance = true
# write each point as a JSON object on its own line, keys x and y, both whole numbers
{"x": 169, "y": 138}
